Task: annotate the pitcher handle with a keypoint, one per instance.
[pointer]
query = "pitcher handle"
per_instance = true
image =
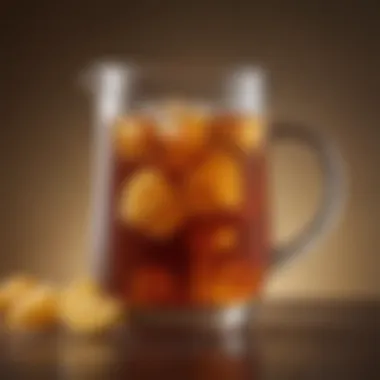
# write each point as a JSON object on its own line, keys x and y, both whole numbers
{"x": 333, "y": 194}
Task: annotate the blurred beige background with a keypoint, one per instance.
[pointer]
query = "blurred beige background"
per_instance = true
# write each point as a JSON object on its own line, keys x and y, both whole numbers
{"x": 323, "y": 61}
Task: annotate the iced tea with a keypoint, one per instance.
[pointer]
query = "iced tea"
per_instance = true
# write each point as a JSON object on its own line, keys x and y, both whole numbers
{"x": 188, "y": 207}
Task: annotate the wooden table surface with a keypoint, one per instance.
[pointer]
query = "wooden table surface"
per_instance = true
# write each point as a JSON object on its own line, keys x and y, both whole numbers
{"x": 288, "y": 340}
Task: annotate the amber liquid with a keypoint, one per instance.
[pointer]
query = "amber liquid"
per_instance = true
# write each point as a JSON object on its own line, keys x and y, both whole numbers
{"x": 215, "y": 258}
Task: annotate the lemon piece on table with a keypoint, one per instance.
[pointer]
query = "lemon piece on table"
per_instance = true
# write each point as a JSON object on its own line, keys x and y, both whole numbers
{"x": 14, "y": 288}
{"x": 37, "y": 309}
{"x": 85, "y": 309}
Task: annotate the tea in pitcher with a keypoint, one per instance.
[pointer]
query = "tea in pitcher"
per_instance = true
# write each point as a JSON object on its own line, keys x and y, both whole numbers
{"x": 188, "y": 206}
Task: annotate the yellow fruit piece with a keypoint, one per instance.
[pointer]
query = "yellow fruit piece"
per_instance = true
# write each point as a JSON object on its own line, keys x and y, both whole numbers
{"x": 37, "y": 309}
{"x": 150, "y": 204}
{"x": 249, "y": 135}
{"x": 14, "y": 288}
{"x": 86, "y": 311}
{"x": 131, "y": 138}
{"x": 216, "y": 185}
{"x": 82, "y": 285}
{"x": 77, "y": 290}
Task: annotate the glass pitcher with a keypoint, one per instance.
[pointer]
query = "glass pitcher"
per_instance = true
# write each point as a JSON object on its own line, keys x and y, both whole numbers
{"x": 180, "y": 207}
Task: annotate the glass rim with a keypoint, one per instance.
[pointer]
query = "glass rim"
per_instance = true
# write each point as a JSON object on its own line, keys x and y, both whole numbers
{"x": 153, "y": 67}
{"x": 244, "y": 86}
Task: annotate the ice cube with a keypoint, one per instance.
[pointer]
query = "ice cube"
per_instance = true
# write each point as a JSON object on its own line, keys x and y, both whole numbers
{"x": 245, "y": 132}
{"x": 183, "y": 132}
{"x": 249, "y": 134}
{"x": 132, "y": 137}
{"x": 216, "y": 185}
